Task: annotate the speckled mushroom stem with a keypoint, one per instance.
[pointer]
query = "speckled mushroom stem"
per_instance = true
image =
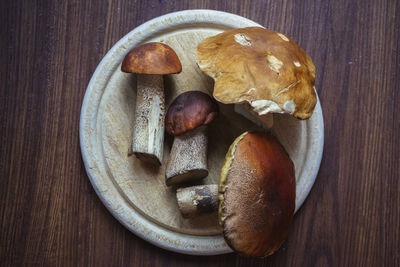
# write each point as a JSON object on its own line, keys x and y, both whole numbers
{"x": 148, "y": 134}
{"x": 188, "y": 157}
{"x": 196, "y": 200}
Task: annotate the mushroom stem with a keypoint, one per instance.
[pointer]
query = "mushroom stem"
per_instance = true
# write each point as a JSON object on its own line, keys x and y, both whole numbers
{"x": 148, "y": 133}
{"x": 265, "y": 121}
{"x": 196, "y": 200}
{"x": 188, "y": 157}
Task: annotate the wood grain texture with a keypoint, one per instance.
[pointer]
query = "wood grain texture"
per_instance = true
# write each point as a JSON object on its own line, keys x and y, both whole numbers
{"x": 51, "y": 216}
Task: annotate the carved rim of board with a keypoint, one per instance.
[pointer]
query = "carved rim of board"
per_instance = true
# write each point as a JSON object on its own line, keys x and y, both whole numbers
{"x": 90, "y": 133}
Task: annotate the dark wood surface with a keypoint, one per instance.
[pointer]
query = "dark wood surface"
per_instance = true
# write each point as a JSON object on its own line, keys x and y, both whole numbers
{"x": 50, "y": 214}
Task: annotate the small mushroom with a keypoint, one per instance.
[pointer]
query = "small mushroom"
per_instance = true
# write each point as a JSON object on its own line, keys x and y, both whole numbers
{"x": 150, "y": 62}
{"x": 186, "y": 119}
{"x": 263, "y": 70}
{"x": 256, "y": 195}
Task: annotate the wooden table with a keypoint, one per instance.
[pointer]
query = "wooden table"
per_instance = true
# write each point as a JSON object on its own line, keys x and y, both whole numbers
{"x": 50, "y": 214}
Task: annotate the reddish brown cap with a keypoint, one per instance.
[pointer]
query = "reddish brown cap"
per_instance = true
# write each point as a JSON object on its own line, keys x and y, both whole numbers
{"x": 257, "y": 194}
{"x": 189, "y": 111}
{"x": 152, "y": 58}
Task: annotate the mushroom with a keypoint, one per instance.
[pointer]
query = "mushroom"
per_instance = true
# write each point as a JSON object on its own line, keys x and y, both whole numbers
{"x": 186, "y": 119}
{"x": 263, "y": 70}
{"x": 150, "y": 62}
{"x": 256, "y": 195}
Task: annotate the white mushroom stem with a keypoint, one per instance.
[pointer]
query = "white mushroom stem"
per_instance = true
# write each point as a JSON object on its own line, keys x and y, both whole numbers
{"x": 188, "y": 157}
{"x": 196, "y": 200}
{"x": 148, "y": 133}
{"x": 265, "y": 121}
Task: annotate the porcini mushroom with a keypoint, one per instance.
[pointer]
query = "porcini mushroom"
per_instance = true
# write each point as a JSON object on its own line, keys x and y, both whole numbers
{"x": 186, "y": 119}
{"x": 150, "y": 62}
{"x": 264, "y": 70}
{"x": 256, "y": 195}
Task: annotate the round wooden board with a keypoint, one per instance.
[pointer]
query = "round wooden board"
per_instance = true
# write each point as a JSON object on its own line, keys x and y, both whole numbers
{"x": 135, "y": 193}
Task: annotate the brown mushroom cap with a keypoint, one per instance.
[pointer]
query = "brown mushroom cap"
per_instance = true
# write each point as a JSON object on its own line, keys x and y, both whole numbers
{"x": 264, "y": 68}
{"x": 189, "y": 111}
{"x": 257, "y": 194}
{"x": 152, "y": 58}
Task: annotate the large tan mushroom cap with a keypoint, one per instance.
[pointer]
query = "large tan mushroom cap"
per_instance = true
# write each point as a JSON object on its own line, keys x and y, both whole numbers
{"x": 152, "y": 58}
{"x": 263, "y": 68}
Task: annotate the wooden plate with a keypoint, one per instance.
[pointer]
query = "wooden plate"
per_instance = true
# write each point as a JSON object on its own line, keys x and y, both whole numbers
{"x": 135, "y": 193}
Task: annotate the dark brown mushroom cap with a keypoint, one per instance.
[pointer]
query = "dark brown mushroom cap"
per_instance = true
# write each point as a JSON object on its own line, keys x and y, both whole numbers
{"x": 189, "y": 111}
{"x": 152, "y": 58}
{"x": 257, "y": 193}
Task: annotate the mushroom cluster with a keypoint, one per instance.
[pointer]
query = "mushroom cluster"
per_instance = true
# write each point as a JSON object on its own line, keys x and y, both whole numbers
{"x": 255, "y": 197}
{"x": 261, "y": 72}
